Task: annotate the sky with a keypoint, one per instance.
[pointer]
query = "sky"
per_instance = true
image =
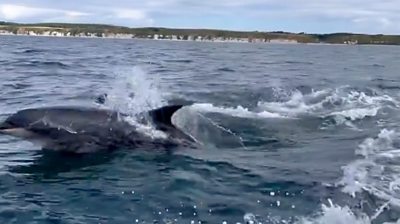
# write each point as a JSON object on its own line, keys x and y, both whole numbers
{"x": 310, "y": 16}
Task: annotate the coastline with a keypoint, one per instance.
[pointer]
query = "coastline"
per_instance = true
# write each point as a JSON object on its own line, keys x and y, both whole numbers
{"x": 195, "y": 41}
{"x": 284, "y": 41}
{"x": 99, "y": 31}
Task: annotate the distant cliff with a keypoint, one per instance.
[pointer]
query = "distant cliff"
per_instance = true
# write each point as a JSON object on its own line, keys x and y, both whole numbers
{"x": 110, "y": 31}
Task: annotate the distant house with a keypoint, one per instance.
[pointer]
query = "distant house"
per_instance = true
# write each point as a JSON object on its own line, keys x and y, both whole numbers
{"x": 283, "y": 41}
{"x": 57, "y": 34}
{"x": 351, "y": 42}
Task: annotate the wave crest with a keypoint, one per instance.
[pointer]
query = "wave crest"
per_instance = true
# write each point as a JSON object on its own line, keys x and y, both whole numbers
{"x": 238, "y": 111}
{"x": 377, "y": 171}
{"x": 342, "y": 104}
{"x": 336, "y": 214}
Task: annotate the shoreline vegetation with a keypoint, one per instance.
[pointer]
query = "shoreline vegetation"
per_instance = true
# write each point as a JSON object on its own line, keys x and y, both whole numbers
{"x": 207, "y": 35}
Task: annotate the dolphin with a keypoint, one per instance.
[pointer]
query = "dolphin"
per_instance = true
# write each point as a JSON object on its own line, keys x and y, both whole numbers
{"x": 86, "y": 129}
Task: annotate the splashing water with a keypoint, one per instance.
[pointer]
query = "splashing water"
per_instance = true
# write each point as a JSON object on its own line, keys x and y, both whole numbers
{"x": 239, "y": 111}
{"x": 328, "y": 214}
{"x": 134, "y": 92}
{"x": 340, "y": 105}
{"x": 335, "y": 214}
{"x": 357, "y": 114}
{"x": 340, "y": 101}
{"x": 377, "y": 171}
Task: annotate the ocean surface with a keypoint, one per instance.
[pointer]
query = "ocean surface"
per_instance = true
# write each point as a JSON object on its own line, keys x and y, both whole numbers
{"x": 285, "y": 133}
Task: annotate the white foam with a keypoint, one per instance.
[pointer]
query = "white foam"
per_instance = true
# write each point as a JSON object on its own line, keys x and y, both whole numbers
{"x": 347, "y": 116}
{"x": 357, "y": 113}
{"x": 378, "y": 169}
{"x": 295, "y": 105}
{"x": 329, "y": 213}
{"x": 238, "y": 111}
{"x": 250, "y": 218}
{"x": 335, "y": 214}
{"x": 146, "y": 129}
{"x": 342, "y": 103}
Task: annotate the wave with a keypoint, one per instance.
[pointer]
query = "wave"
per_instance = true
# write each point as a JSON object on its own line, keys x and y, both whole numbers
{"x": 186, "y": 61}
{"x": 226, "y": 69}
{"x": 335, "y": 214}
{"x": 326, "y": 100}
{"x": 28, "y": 51}
{"x": 329, "y": 213}
{"x": 238, "y": 111}
{"x": 377, "y": 171}
{"x": 298, "y": 62}
{"x": 44, "y": 63}
{"x": 342, "y": 104}
{"x": 357, "y": 113}
{"x": 32, "y": 51}
{"x": 17, "y": 85}
{"x": 296, "y": 104}
{"x": 378, "y": 65}
{"x": 346, "y": 116}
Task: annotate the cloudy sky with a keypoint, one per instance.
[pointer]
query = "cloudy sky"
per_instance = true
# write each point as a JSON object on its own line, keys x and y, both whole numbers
{"x": 311, "y": 16}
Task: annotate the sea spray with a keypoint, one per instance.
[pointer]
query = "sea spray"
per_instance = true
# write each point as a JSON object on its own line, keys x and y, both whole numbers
{"x": 376, "y": 171}
{"x": 134, "y": 92}
{"x": 238, "y": 111}
{"x": 335, "y": 214}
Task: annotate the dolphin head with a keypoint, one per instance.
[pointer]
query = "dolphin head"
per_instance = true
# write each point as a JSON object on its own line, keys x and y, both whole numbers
{"x": 20, "y": 119}
{"x": 5, "y": 125}
{"x": 18, "y": 124}
{"x": 9, "y": 128}
{"x": 10, "y": 123}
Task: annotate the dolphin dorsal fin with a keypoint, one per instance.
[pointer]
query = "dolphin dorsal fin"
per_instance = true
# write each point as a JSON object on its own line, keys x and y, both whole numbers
{"x": 163, "y": 115}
